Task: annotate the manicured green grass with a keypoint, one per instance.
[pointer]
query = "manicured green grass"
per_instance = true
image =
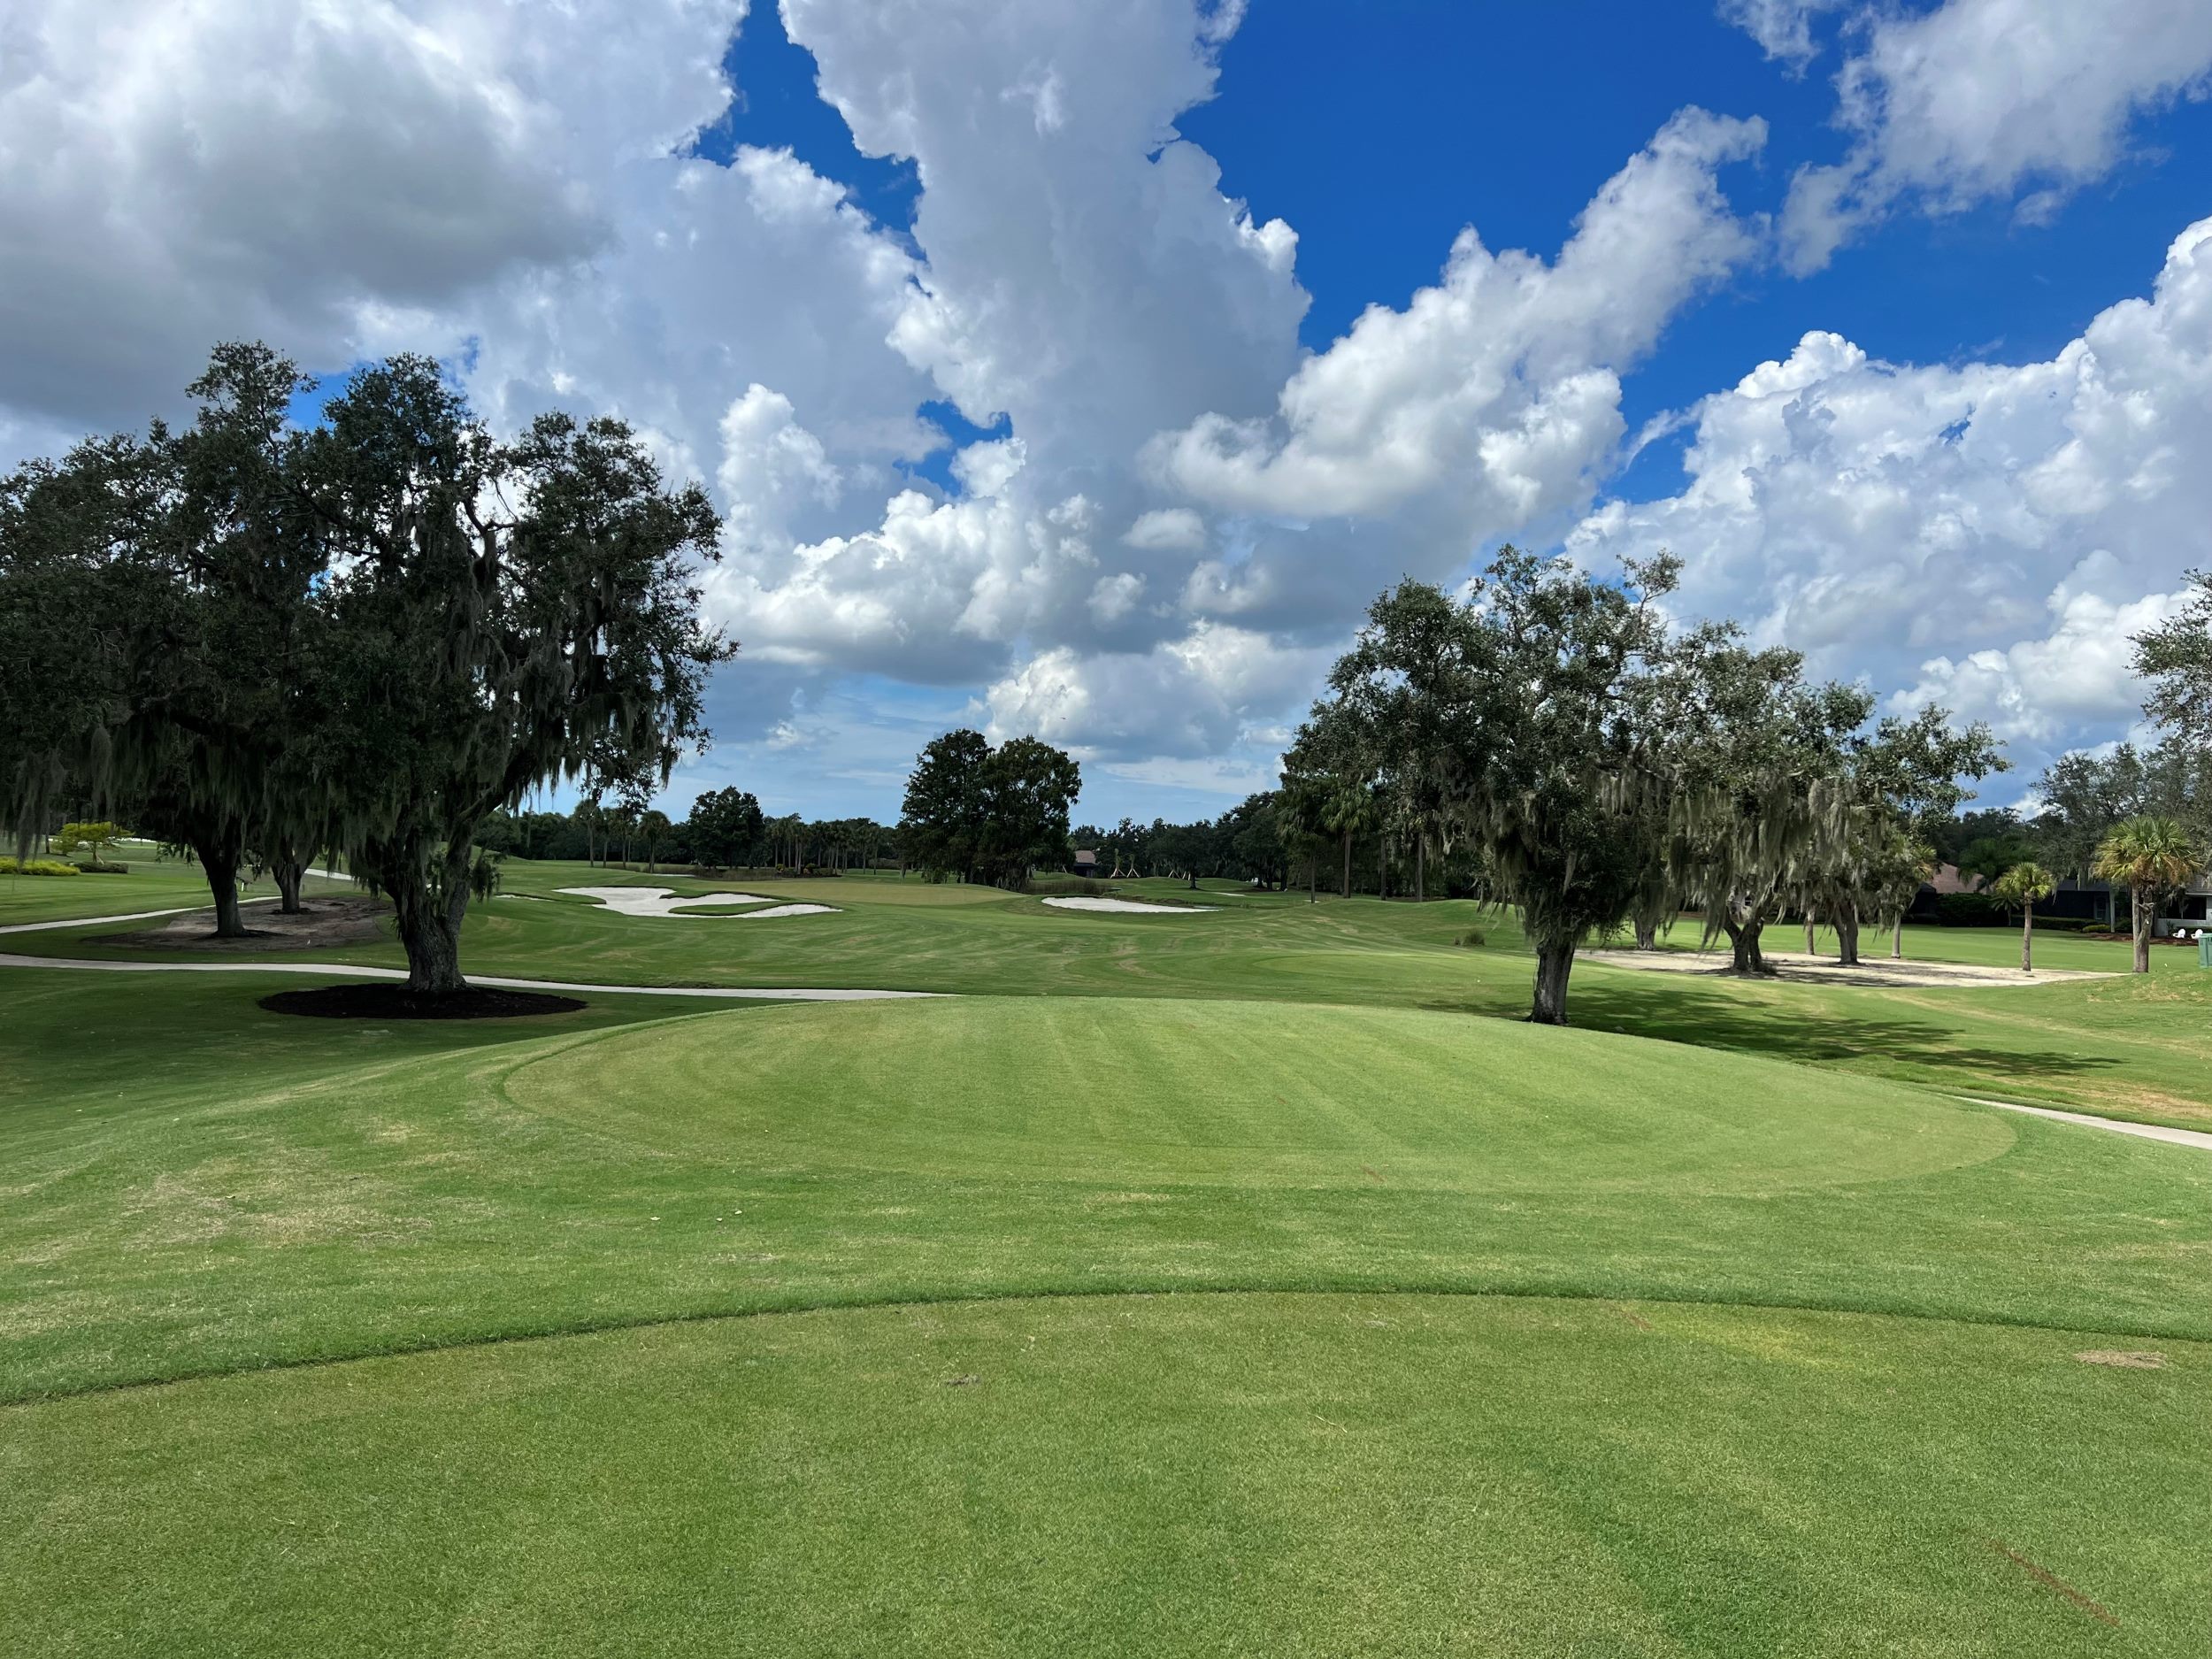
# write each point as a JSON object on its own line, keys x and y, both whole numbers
{"x": 149, "y": 884}
{"x": 211, "y": 1187}
{"x": 2126, "y": 1046}
{"x": 1258, "y": 1475}
{"x": 852, "y": 1328}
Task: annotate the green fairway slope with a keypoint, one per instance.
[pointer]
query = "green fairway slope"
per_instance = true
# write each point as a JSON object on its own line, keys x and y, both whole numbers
{"x": 207, "y": 1187}
{"x": 2124, "y": 1046}
{"x": 1245, "y": 1093}
{"x": 1254, "y": 1475}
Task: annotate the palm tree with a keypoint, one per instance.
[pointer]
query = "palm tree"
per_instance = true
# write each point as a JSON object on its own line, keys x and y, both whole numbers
{"x": 2023, "y": 884}
{"x": 2151, "y": 855}
{"x": 1349, "y": 809}
{"x": 653, "y": 828}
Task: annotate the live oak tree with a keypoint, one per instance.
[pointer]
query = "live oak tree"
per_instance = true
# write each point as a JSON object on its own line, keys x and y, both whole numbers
{"x": 74, "y": 575}
{"x": 173, "y": 574}
{"x": 988, "y": 814}
{"x": 237, "y": 629}
{"x": 942, "y": 820}
{"x": 501, "y": 616}
{"x": 2176, "y": 658}
{"x": 1895, "y": 782}
{"x": 724, "y": 827}
{"x": 1528, "y": 688}
{"x": 1757, "y": 752}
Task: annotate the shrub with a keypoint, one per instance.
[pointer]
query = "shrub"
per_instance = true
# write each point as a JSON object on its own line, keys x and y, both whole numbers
{"x": 1066, "y": 887}
{"x": 35, "y": 867}
{"x": 98, "y": 867}
{"x": 1971, "y": 909}
{"x": 1474, "y": 939}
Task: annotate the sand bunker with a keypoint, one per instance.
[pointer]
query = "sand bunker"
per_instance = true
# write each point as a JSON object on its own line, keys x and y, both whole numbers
{"x": 1794, "y": 966}
{"x": 663, "y": 902}
{"x": 1126, "y": 906}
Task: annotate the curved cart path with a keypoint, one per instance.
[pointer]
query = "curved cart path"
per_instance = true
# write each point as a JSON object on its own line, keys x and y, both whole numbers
{"x": 346, "y": 970}
{"x": 2148, "y": 1132}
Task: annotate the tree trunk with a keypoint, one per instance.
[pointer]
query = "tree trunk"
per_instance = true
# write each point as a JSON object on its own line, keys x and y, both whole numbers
{"x": 2140, "y": 910}
{"x": 429, "y": 924}
{"x": 1382, "y": 866}
{"x": 1743, "y": 945}
{"x": 218, "y": 860}
{"x": 1647, "y": 935}
{"x": 2027, "y": 938}
{"x": 1421, "y": 870}
{"x": 1554, "y": 962}
{"x": 1846, "y": 922}
{"x": 1897, "y": 938}
{"x": 1811, "y": 946}
{"x": 290, "y": 874}
{"x": 1347, "y": 864}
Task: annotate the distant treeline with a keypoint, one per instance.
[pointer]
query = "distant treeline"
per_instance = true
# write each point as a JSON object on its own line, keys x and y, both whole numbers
{"x": 725, "y": 829}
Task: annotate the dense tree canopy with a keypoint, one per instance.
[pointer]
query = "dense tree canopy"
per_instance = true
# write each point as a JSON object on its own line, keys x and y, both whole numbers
{"x": 372, "y": 633}
{"x": 988, "y": 814}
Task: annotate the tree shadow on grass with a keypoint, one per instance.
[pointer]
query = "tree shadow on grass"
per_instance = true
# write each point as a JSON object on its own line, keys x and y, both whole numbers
{"x": 1811, "y": 1033}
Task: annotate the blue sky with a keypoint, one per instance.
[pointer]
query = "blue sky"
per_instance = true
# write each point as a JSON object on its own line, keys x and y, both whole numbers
{"x": 1086, "y": 369}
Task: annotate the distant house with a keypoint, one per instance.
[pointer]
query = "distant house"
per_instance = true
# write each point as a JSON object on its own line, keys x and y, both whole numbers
{"x": 1087, "y": 864}
{"x": 2077, "y": 900}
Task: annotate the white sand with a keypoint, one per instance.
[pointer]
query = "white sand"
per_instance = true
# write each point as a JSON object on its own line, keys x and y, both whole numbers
{"x": 1793, "y": 966}
{"x": 1127, "y": 907}
{"x": 663, "y": 902}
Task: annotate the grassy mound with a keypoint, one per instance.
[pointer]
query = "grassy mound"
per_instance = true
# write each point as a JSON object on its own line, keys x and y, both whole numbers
{"x": 1242, "y": 1094}
{"x": 207, "y": 1187}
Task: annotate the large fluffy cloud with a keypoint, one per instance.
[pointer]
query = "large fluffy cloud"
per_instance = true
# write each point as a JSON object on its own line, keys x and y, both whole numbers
{"x": 1082, "y": 275}
{"x": 1978, "y": 99}
{"x": 1501, "y": 383}
{"x": 1986, "y": 534}
{"x": 173, "y": 171}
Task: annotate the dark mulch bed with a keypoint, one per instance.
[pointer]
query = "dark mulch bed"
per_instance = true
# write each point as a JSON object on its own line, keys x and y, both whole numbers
{"x": 388, "y": 1001}
{"x": 323, "y": 923}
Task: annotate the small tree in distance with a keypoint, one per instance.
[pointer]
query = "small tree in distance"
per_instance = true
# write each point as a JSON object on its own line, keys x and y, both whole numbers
{"x": 93, "y": 839}
{"x": 2026, "y": 885}
{"x": 988, "y": 814}
{"x": 724, "y": 827}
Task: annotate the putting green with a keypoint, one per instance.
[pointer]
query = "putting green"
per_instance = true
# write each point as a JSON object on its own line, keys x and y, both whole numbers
{"x": 1230, "y": 1474}
{"x": 1159, "y": 1092}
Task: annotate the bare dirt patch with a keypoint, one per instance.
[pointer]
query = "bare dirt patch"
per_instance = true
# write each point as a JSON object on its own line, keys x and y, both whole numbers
{"x": 2126, "y": 1359}
{"x": 388, "y": 1001}
{"x": 321, "y": 923}
{"x": 1796, "y": 968}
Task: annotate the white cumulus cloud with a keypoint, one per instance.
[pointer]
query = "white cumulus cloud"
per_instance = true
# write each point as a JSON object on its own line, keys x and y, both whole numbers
{"x": 1987, "y": 532}
{"x": 1982, "y": 99}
